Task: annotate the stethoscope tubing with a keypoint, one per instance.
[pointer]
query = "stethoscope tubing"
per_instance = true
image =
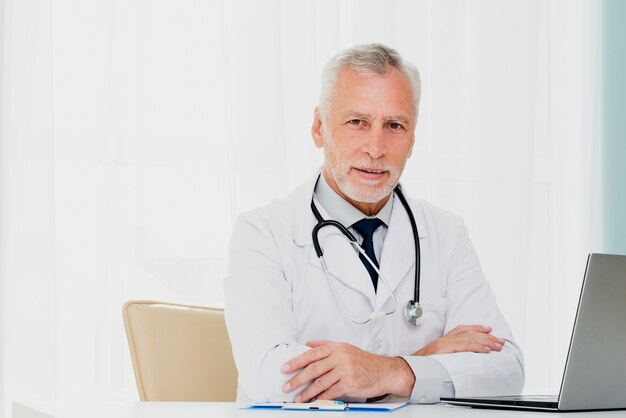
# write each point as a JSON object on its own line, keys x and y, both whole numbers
{"x": 373, "y": 315}
{"x": 416, "y": 239}
{"x": 321, "y": 223}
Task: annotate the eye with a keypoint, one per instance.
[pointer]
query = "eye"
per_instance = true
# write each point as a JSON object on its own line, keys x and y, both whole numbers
{"x": 355, "y": 122}
{"x": 395, "y": 126}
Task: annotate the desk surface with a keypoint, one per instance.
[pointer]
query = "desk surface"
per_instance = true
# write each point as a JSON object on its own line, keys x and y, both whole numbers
{"x": 229, "y": 410}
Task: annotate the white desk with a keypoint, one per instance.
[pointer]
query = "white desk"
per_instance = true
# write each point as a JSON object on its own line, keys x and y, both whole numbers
{"x": 230, "y": 410}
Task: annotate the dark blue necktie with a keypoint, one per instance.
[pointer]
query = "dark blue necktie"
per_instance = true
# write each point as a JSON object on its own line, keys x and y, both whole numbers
{"x": 366, "y": 227}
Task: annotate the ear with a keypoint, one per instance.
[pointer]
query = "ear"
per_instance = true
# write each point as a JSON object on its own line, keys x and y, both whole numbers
{"x": 316, "y": 129}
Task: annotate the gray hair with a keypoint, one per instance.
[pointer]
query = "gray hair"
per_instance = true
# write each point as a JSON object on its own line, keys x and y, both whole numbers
{"x": 372, "y": 59}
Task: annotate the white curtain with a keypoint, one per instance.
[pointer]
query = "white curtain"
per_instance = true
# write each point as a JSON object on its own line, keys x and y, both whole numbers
{"x": 133, "y": 133}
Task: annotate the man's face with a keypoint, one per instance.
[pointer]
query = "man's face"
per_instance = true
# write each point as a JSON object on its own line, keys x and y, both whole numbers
{"x": 367, "y": 135}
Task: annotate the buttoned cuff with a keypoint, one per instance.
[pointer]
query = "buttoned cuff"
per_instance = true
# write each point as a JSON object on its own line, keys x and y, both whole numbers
{"x": 432, "y": 381}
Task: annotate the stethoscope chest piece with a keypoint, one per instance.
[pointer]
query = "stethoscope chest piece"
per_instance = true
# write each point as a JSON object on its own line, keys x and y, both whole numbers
{"x": 413, "y": 313}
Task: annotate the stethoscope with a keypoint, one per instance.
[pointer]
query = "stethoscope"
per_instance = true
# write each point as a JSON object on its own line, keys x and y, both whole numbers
{"x": 413, "y": 309}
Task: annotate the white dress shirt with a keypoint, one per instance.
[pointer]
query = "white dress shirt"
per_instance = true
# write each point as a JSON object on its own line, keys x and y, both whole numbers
{"x": 342, "y": 211}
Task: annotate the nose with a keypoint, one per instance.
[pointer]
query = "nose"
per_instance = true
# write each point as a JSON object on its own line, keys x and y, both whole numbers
{"x": 375, "y": 144}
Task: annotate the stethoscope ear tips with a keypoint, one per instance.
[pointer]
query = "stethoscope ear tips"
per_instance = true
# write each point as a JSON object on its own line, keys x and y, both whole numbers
{"x": 413, "y": 313}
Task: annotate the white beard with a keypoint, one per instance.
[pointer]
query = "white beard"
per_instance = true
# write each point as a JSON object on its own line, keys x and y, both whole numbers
{"x": 364, "y": 193}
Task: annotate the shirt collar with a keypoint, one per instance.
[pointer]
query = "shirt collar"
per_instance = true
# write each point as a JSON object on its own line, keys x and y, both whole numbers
{"x": 341, "y": 210}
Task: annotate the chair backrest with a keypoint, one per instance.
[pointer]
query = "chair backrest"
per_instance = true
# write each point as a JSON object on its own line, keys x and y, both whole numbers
{"x": 179, "y": 352}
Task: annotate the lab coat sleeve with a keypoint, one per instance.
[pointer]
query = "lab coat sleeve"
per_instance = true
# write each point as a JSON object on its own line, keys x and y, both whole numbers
{"x": 472, "y": 302}
{"x": 432, "y": 381}
{"x": 258, "y": 311}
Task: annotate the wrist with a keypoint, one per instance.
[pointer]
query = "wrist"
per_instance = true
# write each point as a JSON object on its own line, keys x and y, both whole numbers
{"x": 402, "y": 378}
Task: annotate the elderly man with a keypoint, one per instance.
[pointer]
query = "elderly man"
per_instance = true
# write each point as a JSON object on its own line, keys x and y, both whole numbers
{"x": 307, "y": 327}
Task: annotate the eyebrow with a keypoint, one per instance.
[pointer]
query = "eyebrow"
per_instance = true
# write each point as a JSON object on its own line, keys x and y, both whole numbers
{"x": 355, "y": 114}
{"x": 399, "y": 118}
{"x": 367, "y": 116}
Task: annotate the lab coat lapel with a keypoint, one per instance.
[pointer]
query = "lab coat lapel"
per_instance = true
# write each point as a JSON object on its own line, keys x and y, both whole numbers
{"x": 304, "y": 220}
{"x": 398, "y": 254}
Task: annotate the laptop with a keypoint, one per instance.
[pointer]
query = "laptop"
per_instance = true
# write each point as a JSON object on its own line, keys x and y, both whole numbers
{"x": 595, "y": 371}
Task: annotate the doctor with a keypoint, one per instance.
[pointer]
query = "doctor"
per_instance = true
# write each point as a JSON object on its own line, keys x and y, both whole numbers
{"x": 304, "y": 327}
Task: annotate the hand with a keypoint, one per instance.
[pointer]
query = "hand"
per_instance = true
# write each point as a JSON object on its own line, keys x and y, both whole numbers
{"x": 464, "y": 338}
{"x": 340, "y": 369}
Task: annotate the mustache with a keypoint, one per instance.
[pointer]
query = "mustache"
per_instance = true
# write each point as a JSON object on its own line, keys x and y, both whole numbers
{"x": 370, "y": 164}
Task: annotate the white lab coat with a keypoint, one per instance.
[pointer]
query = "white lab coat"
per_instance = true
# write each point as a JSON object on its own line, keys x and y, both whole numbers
{"x": 278, "y": 298}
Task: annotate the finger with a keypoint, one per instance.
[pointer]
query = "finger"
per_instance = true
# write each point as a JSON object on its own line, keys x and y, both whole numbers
{"x": 500, "y": 340}
{"x": 495, "y": 343}
{"x": 469, "y": 328}
{"x": 500, "y": 343}
{"x": 489, "y": 340}
{"x": 320, "y": 385}
{"x": 481, "y": 328}
{"x": 464, "y": 340}
{"x": 306, "y": 358}
{"x": 306, "y": 375}
{"x": 468, "y": 342}
{"x": 476, "y": 347}
{"x": 333, "y": 392}
{"x": 315, "y": 344}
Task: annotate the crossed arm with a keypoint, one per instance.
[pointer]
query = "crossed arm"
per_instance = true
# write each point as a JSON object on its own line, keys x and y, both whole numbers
{"x": 324, "y": 369}
{"x": 334, "y": 369}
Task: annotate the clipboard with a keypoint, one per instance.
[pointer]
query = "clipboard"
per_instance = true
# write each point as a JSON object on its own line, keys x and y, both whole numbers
{"x": 329, "y": 406}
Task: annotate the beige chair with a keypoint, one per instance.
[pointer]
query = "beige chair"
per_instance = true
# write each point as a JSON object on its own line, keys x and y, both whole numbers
{"x": 180, "y": 353}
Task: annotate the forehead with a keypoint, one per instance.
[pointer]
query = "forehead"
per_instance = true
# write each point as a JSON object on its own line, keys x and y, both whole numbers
{"x": 379, "y": 94}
